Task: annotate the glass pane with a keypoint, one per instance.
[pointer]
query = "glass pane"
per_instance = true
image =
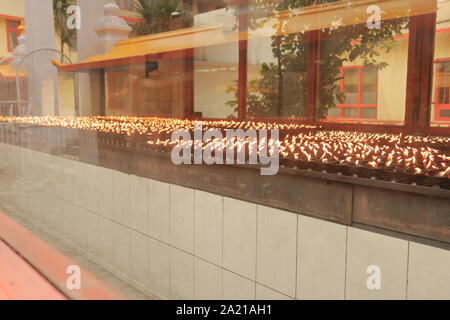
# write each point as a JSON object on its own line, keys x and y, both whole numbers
{"x": 350, "y": 113}
{"x": 116, "y": 84}
{"x": 276, "y": 66}
{"x": 12, "y": 39}
{"x": 334, "y": 112}
{"x": 368, "y": 113}
{"x": 445, "y": 114}
{"x": 351, "y": 80}
{"x": 444, "y": 95}
{"x": 374, "y": 74}
{"x": 351, "y": 85}
{"x": 441, "y": 90}
{"x": 369, "y": 86}
{"x": 216, "y": 67}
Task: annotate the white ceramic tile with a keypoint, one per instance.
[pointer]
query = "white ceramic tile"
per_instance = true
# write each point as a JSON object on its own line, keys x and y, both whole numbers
{"x": 54, "y": 172}
{"x": 181, "y": 275}
{"x": 139, "y": 204}
{"x": 208, "y": 280}
{"x": 20, "y": 164}
{"x": 75, "y": 225}
{"x": 32, "y": 204}
{"x": 428, "y": 273}
{"x": 122, "y": 246}
{"x": 59, "y": 207}
{"x": 264, "y": 293}
{"x": 25, "y": 164}
{"x": 365, "y": 249}
{"x": 121, "y": 198}
{"x": 106, "y": 241}
{"x": 44, "y": 209}
{"x": 139, "y": 258}
{"x": 236, "y": 287}
{"x": 105, "y": 203}
{"x": 81, "y": 216}
{"x": 208, "y": 227}
{"x": 321, "y": 259}
{"x": 78, "y": 184}
{"x": 92, "y": 185}
{"x": 37, "y": 170}
{"x": 59, "y": 175}
{"x": 239, "y": 237}
{"x": 67, "y": 179}
{"x": 92, "y": 234}
{"x": 182, "y": 218}
{"x": 43, "y": 157}
{"x": 159, "y": 210}
{"x": 159, "y": 268}
{"x": 48, "y": 172}
{"x": 277, "y": 250}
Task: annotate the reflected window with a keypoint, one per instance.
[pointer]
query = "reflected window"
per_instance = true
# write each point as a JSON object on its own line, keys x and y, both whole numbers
{"x": 359, "y": 85}
{"x": 363, "y": 73}
{"x": 277, "y": 74}
{"x": 12, "y": 29}
{"x": 442, "y": 110}
{"x": 216, "y": 65}
{"x": 125, "y": 4}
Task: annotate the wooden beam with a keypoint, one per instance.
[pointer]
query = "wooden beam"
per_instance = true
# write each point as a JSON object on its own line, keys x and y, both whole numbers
{"x": 189, "y": 83}
{"x": 102, "y": 92}
{"x": 243, "y": 61}
{"x": 313, "y": 76}
{"x": 420, "y": 73}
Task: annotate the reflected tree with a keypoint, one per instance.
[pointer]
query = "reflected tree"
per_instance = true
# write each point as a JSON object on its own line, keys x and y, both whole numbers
{"x": 159, "y": 16}
{"x": 65, "y": 35}
{"x": 269, "y": 96}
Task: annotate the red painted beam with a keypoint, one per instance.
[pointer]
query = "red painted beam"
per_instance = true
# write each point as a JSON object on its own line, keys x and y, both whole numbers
{"x": 19, "y": 281}
{"x": 51, "y": 263}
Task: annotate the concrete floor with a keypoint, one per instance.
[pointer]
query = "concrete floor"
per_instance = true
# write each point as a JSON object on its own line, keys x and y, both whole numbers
{"x": 12, "y": 189}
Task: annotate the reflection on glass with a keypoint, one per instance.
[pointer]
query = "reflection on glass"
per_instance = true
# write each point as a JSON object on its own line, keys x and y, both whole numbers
{"x": 369, "y": 86}
{"x": 440, "y": 109}
{"x": 363, "y": 73}
{"x": 358, "y": 67}
{"x": 276, "y": 74}
{"x": 351, "y": 85}
{"x": 359, "y": 85}
{"x": 216, "y": 66}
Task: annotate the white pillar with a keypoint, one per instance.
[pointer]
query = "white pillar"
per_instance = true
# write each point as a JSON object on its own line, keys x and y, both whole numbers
{"x": 101, "y": 29}
{"x": 111, "y": 28}
{"x": 41, "y": 74}
{"x": 91, "y": 12}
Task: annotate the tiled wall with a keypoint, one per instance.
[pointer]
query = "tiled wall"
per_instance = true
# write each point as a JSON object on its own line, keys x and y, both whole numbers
{"x": 181, "y": 243}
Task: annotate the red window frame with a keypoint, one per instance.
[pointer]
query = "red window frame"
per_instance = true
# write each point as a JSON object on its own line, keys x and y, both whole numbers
{"x": 10, "y": 29}
{"x": 359, "y": 104}
{"x": 438, "y": 107}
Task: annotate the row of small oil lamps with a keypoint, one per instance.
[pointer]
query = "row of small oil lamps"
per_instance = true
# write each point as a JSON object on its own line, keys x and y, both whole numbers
{"x": 417, "y": 154}
{"x": 148, "y": 125}
{"x": 308, "y": 147}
